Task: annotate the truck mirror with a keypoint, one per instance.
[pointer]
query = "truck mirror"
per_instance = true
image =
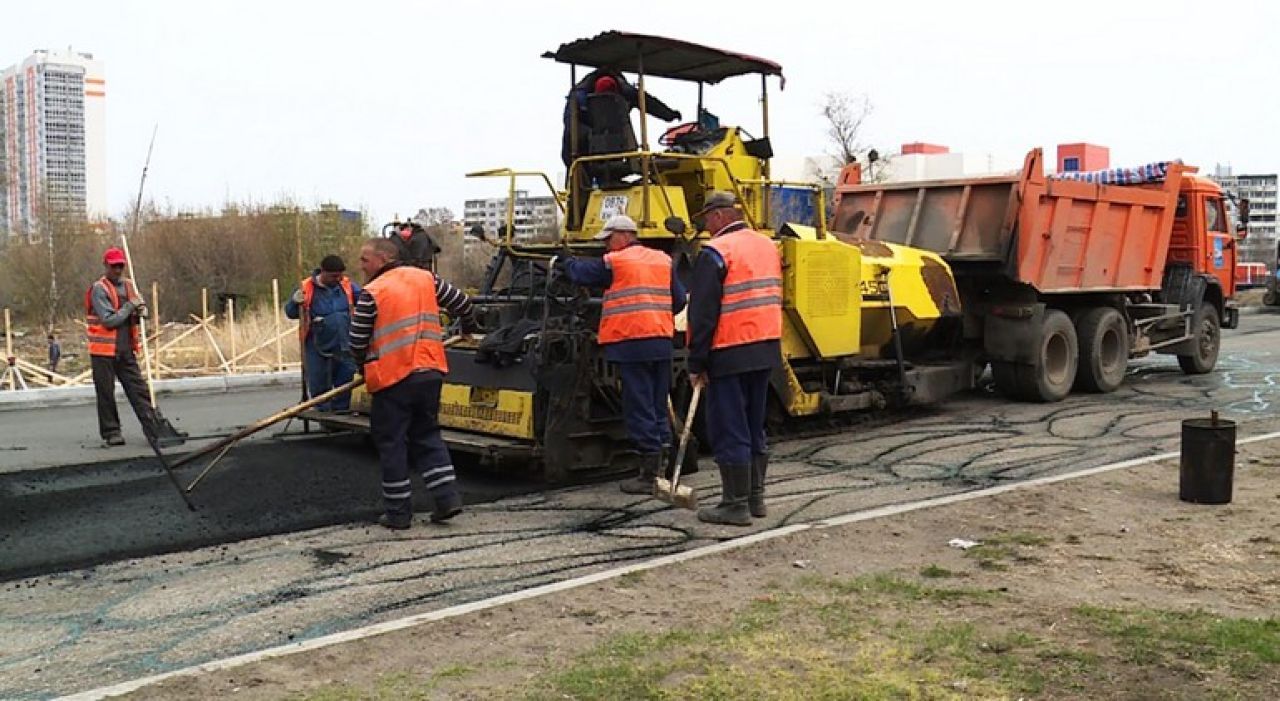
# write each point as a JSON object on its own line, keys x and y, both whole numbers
{"x": 675, "y": 225}
{"x": 1242, "y": 230}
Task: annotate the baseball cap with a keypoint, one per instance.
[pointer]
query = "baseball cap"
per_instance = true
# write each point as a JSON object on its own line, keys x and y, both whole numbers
{"x": 620, "y": 222}
{"x": 717, "y": 200}
{"x": 113, "y": 256}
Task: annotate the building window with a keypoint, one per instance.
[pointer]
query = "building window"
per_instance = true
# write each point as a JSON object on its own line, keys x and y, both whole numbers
{"x": 1070, "y": 165}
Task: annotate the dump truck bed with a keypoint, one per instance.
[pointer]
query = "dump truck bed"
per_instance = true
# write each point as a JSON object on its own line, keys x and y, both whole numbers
{"x": 1058, "y": 236}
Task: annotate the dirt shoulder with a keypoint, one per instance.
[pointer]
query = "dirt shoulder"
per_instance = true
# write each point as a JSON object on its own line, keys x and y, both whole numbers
{"x": 1100, "y": 587}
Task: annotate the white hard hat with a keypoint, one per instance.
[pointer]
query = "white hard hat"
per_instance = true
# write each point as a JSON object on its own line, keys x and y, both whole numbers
{"x": 619, "y": 222}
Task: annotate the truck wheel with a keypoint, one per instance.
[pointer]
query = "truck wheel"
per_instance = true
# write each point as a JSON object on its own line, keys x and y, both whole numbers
{"x": 1104, "y": 350}
{"x": 1270, "y": 299}
{"x": 1208, "y": 337}
{"x": 1057, "y": 358}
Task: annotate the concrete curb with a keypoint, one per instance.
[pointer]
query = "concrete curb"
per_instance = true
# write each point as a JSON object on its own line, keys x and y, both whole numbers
{"x": 45, "y": 397}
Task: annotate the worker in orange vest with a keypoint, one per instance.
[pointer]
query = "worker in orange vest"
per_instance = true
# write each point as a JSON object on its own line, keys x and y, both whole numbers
{"x": 641, "y": 295}
{"x": 323, "y": 304}
{"x": 735, "y": 331}
{"x": 397, "y": 337}
{"x": 112, "y": 308}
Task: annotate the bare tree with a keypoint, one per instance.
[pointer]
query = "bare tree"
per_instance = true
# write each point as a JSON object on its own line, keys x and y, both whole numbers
{"x": 845, "y": 117}
{"x": 432, "y": 216}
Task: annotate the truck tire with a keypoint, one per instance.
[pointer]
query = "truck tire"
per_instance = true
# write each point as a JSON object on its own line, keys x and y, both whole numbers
{"x": 1207, "y": 330}
{"x": 1057, "y": 358}
{"x": 1270, "y": 299}
{"x": 1104, "y": 350}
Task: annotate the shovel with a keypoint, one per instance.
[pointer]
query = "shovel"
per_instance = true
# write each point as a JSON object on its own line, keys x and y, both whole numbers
{"x": 166, "y": 435}
{"x": 671, "y": 491}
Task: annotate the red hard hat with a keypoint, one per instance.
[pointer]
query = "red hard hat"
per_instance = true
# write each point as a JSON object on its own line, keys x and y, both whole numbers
{"x": 113, "y": 256}
{"x": 606, "y": 83}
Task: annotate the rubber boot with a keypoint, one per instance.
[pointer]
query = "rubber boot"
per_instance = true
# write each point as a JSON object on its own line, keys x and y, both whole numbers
{"x": 755, "y": 499}
{"x": 642, "y": 483}
{"x": 447, "y": 506}
{"x": 735, "y": 483}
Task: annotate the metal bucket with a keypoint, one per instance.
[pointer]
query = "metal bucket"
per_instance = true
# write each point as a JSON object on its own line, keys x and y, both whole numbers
{"x": 1207, "y": 470}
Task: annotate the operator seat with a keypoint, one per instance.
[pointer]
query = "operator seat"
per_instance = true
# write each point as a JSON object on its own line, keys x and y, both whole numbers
{"x": 611, "y": 132}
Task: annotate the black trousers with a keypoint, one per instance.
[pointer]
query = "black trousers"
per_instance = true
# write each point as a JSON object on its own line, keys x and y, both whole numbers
{"x": 645, "y": 388}
{"x": 736, "y": 414}
{"x": 125, "y": 368}
{"x": 405, "y": 427}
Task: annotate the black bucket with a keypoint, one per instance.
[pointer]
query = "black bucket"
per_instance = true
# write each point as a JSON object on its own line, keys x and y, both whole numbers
{"x": 1208, "y": 463}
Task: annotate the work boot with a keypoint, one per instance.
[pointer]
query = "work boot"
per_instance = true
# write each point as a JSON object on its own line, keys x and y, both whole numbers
{"x": 735, "y": 484}
{"x": 642, "y": 483}
{"x": 113, "y": 439}
{"x": 755, "y": 498}
{"x": 446, "y": 507}
{"x": 396, "y": 522}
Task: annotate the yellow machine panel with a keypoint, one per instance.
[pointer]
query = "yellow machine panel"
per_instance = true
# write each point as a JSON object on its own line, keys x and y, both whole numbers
{"x": 822, "y": 295}
{"x": 923, "y": 287}
{"x": 500, "y": 412}
{"x": 664, "y": 201}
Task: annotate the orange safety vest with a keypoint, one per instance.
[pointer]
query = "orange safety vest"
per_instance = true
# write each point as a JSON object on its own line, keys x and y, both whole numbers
{"x": 407, "y": 335}
{"x": 102, "y": 340}
{"x": 308, "y": 293}
{"x": 751, "y": 303}
{"x": 638, "y": 303}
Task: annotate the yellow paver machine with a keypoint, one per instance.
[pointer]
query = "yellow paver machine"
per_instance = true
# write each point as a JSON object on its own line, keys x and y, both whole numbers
{"x": 867, "y": 324}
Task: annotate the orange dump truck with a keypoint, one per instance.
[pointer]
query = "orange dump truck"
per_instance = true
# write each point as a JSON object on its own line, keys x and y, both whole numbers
{"x": 1063, "y": 281}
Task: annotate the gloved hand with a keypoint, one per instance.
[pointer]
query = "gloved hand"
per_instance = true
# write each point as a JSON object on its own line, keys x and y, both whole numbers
{"x": 298, "y": 297}
{"x": 561, "y": 264}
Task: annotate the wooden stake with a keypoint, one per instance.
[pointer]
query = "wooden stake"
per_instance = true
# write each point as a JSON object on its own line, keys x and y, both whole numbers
{"x": 204, "y": 314}
{"x": 8, "y": 347}
{"x": 155, "y": 307}
{"x": 275, "y": 304}
{"x": 231, "y": 328}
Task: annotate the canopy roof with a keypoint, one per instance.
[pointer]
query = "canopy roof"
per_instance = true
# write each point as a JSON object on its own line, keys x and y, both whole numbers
{"x": 662, "y": 57}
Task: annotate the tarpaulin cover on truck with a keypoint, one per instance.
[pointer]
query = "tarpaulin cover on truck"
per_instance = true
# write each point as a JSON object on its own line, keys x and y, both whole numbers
{"x": 1149, "y": 173}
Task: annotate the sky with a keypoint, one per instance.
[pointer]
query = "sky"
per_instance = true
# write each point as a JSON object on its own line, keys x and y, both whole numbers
{"x": 387, "y": 105}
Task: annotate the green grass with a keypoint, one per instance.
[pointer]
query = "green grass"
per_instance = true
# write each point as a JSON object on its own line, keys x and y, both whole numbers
{"x": 884, "y": 584}
{"x": 936, "y": 572}
{"x": 998, "y": 550}
{"x": 1242, "y": 646}
{"x": 823, "y": 640}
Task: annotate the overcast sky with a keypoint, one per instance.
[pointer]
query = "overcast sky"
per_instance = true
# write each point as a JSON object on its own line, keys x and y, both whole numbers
{"x": 386, "y": 105}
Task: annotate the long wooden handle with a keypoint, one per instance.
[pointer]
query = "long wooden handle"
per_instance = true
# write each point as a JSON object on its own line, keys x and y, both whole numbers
{"x": 268, "y": 421}
{"x": 684, "y": 435}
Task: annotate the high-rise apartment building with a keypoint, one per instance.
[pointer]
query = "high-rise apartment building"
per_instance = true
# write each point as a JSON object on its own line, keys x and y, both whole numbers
{"x": 536, "y": 218}
{"x": 52, "y": 140}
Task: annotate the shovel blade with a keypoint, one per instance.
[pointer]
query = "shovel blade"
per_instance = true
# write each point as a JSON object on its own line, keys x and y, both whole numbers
{"x": 166, "y": 434}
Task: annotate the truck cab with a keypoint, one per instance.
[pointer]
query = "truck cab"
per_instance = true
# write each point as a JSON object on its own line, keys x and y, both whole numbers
{"x": 1203, "y": 238}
